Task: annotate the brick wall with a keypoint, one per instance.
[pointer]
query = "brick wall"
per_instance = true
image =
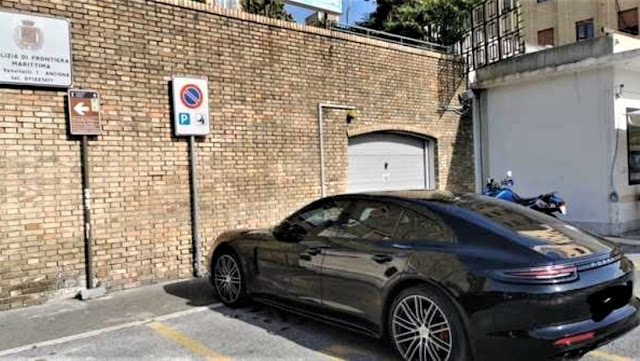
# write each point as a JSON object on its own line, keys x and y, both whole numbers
{"x": 260, "y": 162}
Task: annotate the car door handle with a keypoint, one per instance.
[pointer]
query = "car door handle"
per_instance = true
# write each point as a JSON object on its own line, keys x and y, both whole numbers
{"x": 382, "y": 258}
{"x": 314, "y": 251}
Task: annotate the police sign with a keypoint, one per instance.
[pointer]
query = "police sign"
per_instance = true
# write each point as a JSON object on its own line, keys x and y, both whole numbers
{"x": 34, "y": 50}
{"x": 190, "y": 106}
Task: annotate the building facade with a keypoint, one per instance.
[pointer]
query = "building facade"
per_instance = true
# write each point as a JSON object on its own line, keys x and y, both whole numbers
{"x": 261, "y": 161}
{"x": 560, "y": 22}
{"x": 565, "y": 119}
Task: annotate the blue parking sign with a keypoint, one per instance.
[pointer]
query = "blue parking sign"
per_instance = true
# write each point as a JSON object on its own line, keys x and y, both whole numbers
{"x": 184, "y": 119}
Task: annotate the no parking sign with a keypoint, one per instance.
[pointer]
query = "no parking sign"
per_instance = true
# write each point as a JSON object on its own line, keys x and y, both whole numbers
{"x": 191, "y": 106}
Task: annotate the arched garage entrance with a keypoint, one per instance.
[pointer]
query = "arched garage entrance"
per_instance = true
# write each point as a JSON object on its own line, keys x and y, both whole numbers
{"x": 389, "y": 161}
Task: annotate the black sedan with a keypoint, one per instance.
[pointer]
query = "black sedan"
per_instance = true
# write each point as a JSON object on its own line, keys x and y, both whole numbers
{"x": 441, "y": 276}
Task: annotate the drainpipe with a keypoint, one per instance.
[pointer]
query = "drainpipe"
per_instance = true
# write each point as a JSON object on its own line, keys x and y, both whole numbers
{"x": 476, "y": 108}
{"x": 322, "y": 106}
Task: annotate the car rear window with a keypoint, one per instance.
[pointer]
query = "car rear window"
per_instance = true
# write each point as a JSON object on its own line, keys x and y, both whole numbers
{"x": 414, "y": 226}
{"x": 541, "y": 232}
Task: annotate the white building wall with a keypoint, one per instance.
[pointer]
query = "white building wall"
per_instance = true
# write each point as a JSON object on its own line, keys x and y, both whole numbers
{"x": 623, "y": 43}
{"x": 626, "y": 211}
{"x": 552, "y": 133}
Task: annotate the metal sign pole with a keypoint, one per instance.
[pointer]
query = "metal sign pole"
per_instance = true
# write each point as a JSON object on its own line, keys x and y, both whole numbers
{"x": 86, "y": 194}
{"x": 84, "y": 120}
{"x": 195, "y": 224}
{"x": 191, "y": 118}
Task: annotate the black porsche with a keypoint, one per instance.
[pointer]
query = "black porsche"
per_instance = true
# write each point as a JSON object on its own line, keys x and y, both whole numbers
{"x": 443, "y": 277}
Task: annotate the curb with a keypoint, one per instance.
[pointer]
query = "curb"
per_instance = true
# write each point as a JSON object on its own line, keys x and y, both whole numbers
{"x": 628, "y": 246}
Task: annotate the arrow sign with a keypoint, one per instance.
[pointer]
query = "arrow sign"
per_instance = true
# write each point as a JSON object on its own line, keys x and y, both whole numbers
{"x": 84, "y": 112}
{"x": 80, "y": 108}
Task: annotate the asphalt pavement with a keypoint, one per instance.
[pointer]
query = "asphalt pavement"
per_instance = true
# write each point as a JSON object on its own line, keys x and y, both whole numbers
{"x": 182, "y": 321}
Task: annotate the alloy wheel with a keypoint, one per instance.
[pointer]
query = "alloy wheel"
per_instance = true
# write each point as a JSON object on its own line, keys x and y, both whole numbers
{"x": 420, "y": 330}
{"x": 227, "y": 278}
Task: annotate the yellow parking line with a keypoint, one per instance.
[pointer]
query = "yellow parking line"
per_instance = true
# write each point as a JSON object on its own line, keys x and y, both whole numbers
{"x": 342, "y": 352}
{"x": 607, "y": 356}
{"x": 186, "y": 342}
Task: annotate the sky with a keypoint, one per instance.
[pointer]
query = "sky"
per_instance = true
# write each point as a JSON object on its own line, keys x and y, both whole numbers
{"x": 358, "y": 10}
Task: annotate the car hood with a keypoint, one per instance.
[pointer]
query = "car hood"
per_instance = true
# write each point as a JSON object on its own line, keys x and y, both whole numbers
{"x": 254, "y": 233}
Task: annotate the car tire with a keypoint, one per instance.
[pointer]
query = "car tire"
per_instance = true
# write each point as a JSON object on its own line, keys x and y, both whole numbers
{"x": 228, "y": 279}
{"x": 437, "y": 331}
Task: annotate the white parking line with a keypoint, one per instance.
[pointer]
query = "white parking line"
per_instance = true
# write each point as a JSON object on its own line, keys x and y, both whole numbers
{"x": 101, "y": 331}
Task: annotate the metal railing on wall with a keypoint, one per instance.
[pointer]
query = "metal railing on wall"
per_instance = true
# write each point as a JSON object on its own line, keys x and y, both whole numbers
{"x": 362, "y": 31}
{"x": 393, "y": 38}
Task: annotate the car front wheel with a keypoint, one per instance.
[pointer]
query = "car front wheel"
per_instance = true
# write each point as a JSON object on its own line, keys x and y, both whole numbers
{"x": 228, "y": 280}
{"x": 425, "y": 326}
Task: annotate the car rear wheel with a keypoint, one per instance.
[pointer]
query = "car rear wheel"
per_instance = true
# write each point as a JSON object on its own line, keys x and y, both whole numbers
{"x": 425, "y": 326}
{"x": 228, "y": 280}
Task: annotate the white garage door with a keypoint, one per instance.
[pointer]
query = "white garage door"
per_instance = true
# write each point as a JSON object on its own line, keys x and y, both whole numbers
{"x": 383, "y": 161}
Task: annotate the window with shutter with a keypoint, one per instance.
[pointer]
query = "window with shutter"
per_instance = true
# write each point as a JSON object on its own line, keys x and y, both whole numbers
{"x": 628, "y": 21}
{"x": 585, "y": 30}
{"x": 545, "y": 37}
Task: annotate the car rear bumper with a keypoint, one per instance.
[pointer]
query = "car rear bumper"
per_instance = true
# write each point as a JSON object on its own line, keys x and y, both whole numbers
{"x": 619, "y": 322}
{"x": 540, "y": 344}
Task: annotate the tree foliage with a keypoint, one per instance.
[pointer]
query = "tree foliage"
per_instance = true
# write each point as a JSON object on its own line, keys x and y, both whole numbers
{"x": 441, "y": 21}
{"x": 271, "y": 8}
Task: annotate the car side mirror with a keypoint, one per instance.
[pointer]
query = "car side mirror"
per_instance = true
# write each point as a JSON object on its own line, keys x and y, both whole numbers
{"x": 287, "y": 232}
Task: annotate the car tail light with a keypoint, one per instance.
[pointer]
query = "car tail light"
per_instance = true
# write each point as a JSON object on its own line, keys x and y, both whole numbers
{"x": 546, "y": 274}
{"x": 543, "y": 273}
{"x": 571, "y": 340}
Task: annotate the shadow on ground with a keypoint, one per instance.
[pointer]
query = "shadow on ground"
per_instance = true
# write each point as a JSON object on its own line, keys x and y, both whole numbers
{"x": 197, "y": 291}
{"x": 324, "y": 338}
{"x": 329, "y": 340}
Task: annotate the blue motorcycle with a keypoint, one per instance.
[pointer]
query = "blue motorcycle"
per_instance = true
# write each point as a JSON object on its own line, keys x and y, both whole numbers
{"x": 549, "y": 203}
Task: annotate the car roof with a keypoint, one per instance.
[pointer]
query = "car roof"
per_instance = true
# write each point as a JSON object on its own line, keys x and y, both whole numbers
{"x": 428, "y": 195}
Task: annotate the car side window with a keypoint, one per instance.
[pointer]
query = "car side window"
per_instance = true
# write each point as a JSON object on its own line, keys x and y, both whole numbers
{"x": 317, "y": 216}
{"x": 414, "y": 226}
{"x": 365, "y": 219}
